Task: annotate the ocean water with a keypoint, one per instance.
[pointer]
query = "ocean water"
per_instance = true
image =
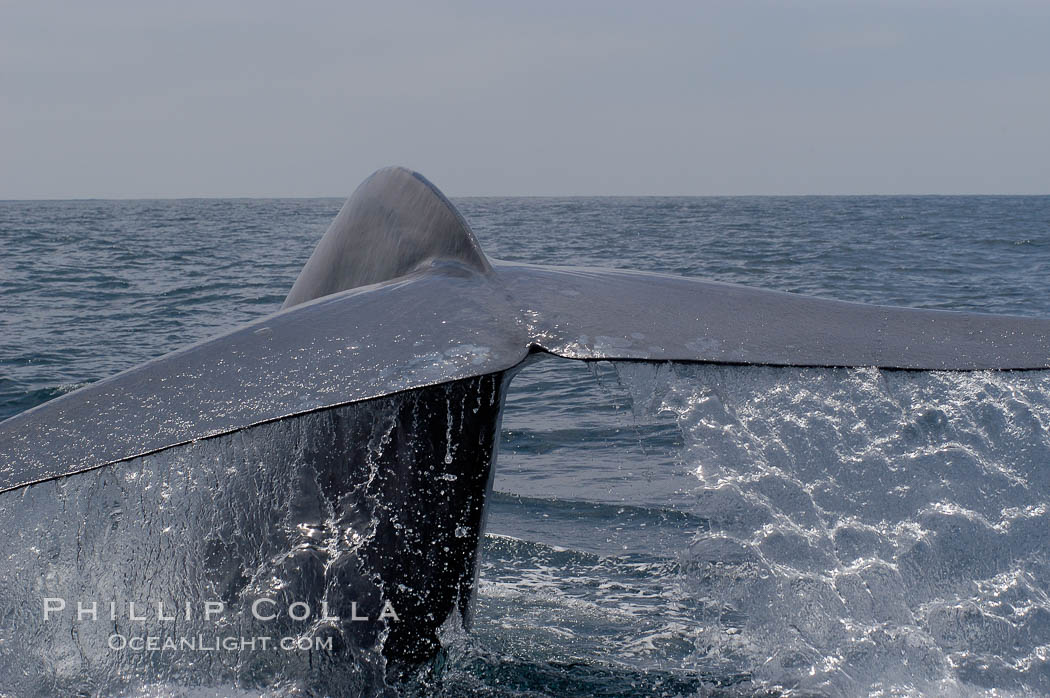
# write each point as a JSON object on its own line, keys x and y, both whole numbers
{"x": 659, "y": 529}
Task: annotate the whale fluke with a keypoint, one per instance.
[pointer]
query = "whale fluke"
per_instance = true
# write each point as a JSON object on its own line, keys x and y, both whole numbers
{"x": 623, "y": 315}
{"x": 398, "y": 295}
{"x": 363, "y": 421}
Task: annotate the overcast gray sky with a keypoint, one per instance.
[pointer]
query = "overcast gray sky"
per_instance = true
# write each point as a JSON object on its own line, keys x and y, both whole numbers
{"x": 250, "y": 98}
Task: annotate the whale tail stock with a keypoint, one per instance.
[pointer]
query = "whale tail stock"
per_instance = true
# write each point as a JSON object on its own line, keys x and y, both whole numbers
{"x": 394, "y": 223}
{"x": 398, "y": 308}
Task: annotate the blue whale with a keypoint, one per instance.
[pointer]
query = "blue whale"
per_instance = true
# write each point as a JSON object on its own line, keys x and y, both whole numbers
{"x": 330, "y": 462}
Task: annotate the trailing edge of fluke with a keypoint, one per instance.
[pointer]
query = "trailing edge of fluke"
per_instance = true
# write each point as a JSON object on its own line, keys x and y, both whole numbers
{"x": 398, "y": 295}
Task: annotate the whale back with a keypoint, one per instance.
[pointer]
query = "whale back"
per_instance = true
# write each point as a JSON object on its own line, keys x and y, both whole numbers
{"x": 395, "y": 223}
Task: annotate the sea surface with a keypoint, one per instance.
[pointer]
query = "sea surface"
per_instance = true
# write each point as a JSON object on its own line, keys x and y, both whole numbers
{"x": 659, "y": 529}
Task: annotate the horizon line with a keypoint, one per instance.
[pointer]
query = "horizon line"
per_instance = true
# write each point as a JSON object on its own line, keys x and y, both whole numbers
{"x": 265, "y": 197}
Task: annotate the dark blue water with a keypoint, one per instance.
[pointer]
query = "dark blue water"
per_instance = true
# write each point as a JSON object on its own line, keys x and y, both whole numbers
{"x": 668, "y": 530}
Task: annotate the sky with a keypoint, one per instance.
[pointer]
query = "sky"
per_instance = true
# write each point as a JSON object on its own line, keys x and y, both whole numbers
{"x": 258, "y": 98}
